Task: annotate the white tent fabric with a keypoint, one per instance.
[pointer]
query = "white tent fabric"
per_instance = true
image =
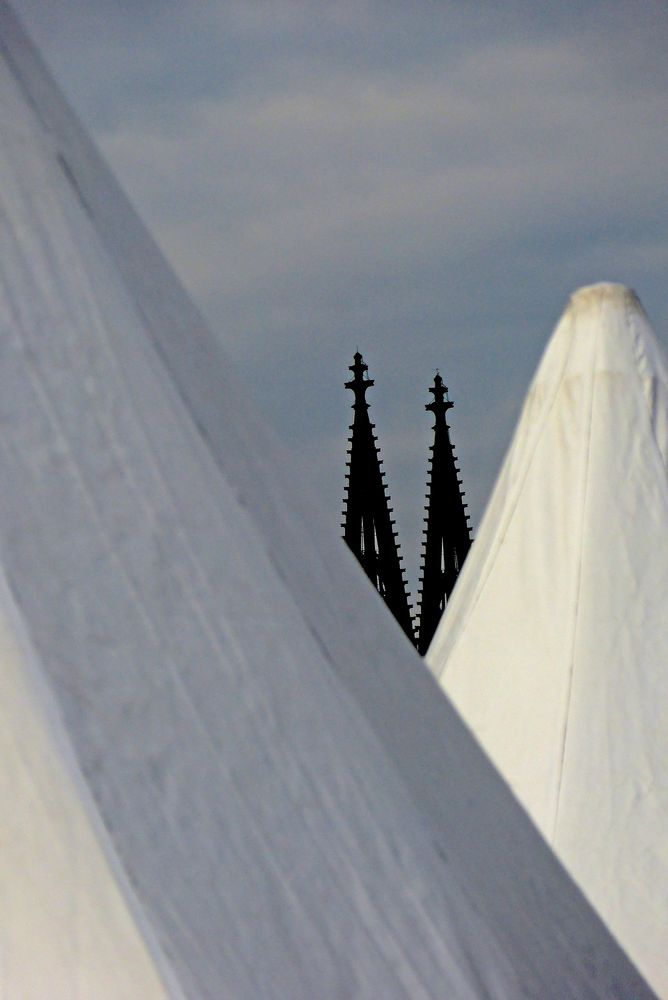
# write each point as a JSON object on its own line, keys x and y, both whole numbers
{"x": 67, "y": 930}
{"x": 225, "y": 772}
{"x": 555, "y": 644}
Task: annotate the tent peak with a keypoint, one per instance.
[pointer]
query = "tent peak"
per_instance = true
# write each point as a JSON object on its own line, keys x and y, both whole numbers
{"x": 603, "y": 329}
{"x": 604, "y": 293}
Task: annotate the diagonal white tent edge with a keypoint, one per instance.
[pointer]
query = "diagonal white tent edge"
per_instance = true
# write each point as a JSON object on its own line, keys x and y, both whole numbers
{"x": 68, "y": 897}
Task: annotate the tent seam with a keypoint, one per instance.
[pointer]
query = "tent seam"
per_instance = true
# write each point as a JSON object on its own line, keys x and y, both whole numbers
{"x": 577, "y": 590}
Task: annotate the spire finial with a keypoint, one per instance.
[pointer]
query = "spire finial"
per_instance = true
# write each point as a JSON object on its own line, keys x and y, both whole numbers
{"x": 360, "y": 382}
{"x": 441, "y": 402}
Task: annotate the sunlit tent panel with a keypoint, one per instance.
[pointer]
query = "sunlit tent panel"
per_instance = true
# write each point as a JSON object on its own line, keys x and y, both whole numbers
{"x": 555, "y": 644}
{"x": 244, "y": 767}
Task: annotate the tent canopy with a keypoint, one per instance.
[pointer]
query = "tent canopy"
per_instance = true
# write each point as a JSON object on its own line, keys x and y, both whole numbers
{"x": 555, "y": 645}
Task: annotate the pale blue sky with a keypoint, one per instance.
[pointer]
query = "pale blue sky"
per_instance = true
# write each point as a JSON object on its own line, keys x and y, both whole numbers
{"x": 427, "y": 181}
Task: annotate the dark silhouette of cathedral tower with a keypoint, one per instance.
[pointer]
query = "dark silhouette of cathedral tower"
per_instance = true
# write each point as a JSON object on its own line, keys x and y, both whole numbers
{"x": 447, "y": 534}
{"x": 367, "y": 521}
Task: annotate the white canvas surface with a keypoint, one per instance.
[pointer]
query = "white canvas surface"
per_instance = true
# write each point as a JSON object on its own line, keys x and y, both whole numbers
{"x": 555, "y": 644}
{"x": 66, "y": 927}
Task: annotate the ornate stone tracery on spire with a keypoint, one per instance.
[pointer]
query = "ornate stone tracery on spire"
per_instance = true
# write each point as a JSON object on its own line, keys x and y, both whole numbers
{"x": 447, "y": 533}
{"x": 368, "y": 527}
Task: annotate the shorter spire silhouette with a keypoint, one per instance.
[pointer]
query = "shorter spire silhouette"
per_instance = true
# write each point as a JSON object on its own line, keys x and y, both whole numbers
{"x": 368, "y": 527}
{"x": 447, "y": 533}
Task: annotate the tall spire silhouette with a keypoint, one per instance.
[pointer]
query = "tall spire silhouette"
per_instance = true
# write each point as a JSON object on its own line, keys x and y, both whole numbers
{"x": 447, "y": 533}
{"x": 367, "y": 522}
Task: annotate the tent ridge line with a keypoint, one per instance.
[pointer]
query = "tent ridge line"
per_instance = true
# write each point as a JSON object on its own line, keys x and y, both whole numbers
{"x": 577, "y": 590}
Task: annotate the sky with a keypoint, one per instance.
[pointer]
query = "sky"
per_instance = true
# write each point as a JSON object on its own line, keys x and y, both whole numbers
{"x": 425, "y": 181}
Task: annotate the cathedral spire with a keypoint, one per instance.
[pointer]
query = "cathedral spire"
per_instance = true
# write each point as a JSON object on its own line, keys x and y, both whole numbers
{"x": 447, "y": 534}
{"x": 367, "y": 522}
